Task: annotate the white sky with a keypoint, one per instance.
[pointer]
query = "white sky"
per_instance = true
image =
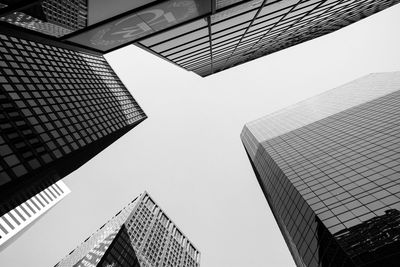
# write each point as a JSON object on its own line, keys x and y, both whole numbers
{"x": 188, "y": 154}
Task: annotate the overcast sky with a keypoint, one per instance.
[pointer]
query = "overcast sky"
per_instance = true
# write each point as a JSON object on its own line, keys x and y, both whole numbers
{"x": 188, "y": 154}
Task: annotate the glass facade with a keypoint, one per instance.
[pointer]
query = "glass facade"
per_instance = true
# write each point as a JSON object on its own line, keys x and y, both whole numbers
{"x": 120, "y": 251}
{"x": 59, "y": 108}
{"x": 203, "y": 36}
{"x": 100, "y": 25}
{"x": 240, "y": 31}
{"x": 141, "y": 23}
{"x": 329, "y": 167}
{"x": 139, "y": 235}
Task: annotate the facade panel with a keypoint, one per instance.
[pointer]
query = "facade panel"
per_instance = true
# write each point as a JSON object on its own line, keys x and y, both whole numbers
{"x": 330, "y": 169}
{"x": 15, "y": 220}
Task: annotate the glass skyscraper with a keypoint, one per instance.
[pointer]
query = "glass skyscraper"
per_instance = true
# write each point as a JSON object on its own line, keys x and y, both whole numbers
{"x": 329, "y": 168}
{"x": 139, "y": 235}
{"x": 60, "y": 105}
{"x": 235, "y": 32}
{"x": 203, "y": 36}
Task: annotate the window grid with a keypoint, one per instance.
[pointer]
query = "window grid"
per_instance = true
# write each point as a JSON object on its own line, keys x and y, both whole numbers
{"x": 332, "y": 174}
{"x": 256, "y": 28}
{"x": 55, "y": 101}
{"x": 141, "y": 228}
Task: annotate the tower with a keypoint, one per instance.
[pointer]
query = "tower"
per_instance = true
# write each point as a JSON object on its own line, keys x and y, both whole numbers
{"x": 329, "y": 168}
{"x": 60, "y": 105}
{"x": 13, "y": 222}
{"x": 145, "y": 235}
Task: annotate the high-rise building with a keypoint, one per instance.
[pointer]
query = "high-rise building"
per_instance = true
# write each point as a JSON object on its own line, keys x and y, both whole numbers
{"x": 329, "y": 168}
{"x": 15, "y": 220}
{"x": 203, "y": 36}
{"x": 59, "y": 106}
{"x": 60, "y": 103}
{"x": 239, "y": 31}
{"x": 52, "y": 17}
{"x": 141, "y": 234}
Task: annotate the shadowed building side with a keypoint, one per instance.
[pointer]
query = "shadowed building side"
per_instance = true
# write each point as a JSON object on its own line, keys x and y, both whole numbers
{"x": 380, "y": 234}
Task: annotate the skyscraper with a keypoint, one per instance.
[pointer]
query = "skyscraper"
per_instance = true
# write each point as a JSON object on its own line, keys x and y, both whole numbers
{"x": 52, "y": 17}
{"x": 141, "y": 233}
{"x": 60, "y": 106}
{"x": 15, "y": 220}
{"x": 329, "y": 168}
{"x": 203, "y": 36}
{"x": 235, "y": 32}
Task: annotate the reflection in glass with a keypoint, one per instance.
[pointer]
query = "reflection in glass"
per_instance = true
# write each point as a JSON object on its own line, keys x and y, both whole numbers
{"x": 330, "y": 170}
{"x": 375, "y": 240}
{"x": 225, "y": 3}
{"x": 141, "y": 23}
{"x": 100, "y": 10}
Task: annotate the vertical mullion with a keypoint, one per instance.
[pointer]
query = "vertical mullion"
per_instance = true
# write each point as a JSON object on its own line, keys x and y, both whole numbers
{"x": 210, "y": 40}
{"x": 247, "y": 29}
{"x": 213, "y": 6}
